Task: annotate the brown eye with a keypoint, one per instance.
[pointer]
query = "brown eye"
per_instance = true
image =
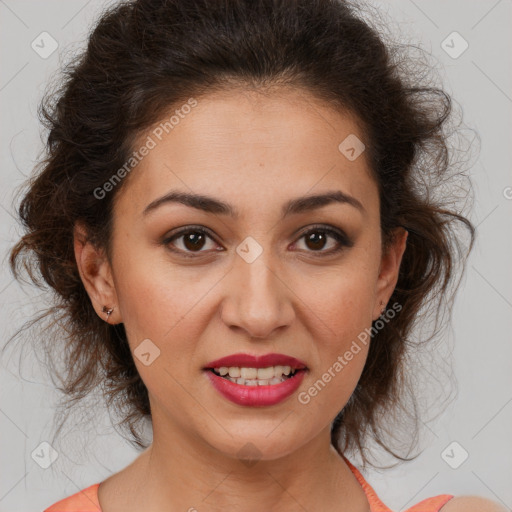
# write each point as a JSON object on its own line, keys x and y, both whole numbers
{"x": 317, "y": 238}
{"x": 194, "y": 240}
{"x": 191, "y": 240}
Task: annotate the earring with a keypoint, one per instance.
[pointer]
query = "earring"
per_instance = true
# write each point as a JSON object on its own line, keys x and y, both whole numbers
{"x": 107, "y": 311}
{"x": 383, "y": 308}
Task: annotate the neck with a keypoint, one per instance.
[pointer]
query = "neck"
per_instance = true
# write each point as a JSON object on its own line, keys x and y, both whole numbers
{"x": 191, "y": 475}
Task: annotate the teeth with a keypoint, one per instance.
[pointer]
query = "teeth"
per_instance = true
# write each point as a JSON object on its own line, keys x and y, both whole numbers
{"x": 265, "y": 373}
{"x": 254, "y": 374}
{"x": 233, "y": 371}
{"x": 257, "y": 382}
{"x": 249, "y": 373}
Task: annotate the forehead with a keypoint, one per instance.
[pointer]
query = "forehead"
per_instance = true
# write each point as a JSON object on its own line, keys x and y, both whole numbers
{"x": 255, "y": 146}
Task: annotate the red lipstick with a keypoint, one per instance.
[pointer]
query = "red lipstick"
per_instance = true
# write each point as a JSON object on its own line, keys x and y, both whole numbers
{"x": 248, "y": 361}
{"x": 256, "y": 395}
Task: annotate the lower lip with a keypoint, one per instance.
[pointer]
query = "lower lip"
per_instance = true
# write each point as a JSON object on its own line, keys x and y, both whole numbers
{"x": 256, "y": 395}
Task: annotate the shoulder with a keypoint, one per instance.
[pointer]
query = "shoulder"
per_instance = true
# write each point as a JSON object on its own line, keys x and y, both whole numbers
{"x": 472, "y": 504}
{"x": 85, "y": 500}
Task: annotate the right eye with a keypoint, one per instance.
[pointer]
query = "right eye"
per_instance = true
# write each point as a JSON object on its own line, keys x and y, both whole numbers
{"x": 192, "y": 240}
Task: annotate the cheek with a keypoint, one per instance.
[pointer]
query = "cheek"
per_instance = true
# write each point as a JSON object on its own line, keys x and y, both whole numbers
{"x": 341, "y": 352}
{"x": 165, "y": 303}
{"x": 348, "y": 316}
{"x": 343, "y": 297}
{"x": 327, "y": 390}
{"x": 145, "y": 287}
{"x": 341, "y": 306}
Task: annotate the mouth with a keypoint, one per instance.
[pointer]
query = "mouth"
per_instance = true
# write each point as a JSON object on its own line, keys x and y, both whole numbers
{"x": 249, "y": 386}
{"x": 250, "y": 370}
{"x": 250, "y": 376}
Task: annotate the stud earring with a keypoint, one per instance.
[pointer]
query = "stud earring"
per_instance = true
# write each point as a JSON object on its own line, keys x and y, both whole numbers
{"x": 108, "y": 311}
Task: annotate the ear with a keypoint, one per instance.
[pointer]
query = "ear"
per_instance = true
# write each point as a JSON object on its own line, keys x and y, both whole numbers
{"x": 96, "y": 275}
{"x": 388, "y": 271}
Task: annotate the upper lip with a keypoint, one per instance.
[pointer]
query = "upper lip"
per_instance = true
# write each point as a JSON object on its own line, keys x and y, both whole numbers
{"x": 263, "y": 361}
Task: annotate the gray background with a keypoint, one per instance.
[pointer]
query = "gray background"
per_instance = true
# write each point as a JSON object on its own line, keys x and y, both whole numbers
{"x": 478, "y": 419}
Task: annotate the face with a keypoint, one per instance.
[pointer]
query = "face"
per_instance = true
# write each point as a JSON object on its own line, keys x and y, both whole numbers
{"x": 265, "y": 272}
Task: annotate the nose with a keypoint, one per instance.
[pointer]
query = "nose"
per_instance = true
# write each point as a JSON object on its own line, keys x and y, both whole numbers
{"x": 258, "y": 299}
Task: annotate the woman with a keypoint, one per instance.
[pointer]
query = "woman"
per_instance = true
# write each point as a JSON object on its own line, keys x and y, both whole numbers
{"x": 235, "y": 216}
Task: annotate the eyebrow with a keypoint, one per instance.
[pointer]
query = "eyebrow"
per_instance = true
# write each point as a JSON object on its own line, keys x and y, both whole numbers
{"x": 216, "y": 206}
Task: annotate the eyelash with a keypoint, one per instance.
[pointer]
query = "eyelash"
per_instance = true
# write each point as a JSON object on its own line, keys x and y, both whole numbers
{"x": 339, "y": 236}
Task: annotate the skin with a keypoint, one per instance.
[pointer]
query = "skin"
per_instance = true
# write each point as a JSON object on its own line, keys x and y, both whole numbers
{"x": 256, "y": 152}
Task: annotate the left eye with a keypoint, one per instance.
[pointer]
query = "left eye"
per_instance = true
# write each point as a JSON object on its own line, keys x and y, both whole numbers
{"x": 193, "y": 240}
{"x": 316, "y": 239}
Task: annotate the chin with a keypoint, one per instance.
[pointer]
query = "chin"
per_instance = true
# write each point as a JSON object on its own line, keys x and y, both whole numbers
{"x": 261, "y": 442}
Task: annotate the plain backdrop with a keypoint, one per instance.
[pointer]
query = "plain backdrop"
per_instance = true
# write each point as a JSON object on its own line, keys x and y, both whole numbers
{"x": 476, "y": 425}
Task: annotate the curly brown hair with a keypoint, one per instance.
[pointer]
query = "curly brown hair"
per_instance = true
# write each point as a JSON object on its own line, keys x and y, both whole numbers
{"x": 145, "y": 56}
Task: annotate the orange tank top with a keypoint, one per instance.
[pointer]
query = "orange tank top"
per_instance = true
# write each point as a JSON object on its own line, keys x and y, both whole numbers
{"x": 86, "y": 500}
